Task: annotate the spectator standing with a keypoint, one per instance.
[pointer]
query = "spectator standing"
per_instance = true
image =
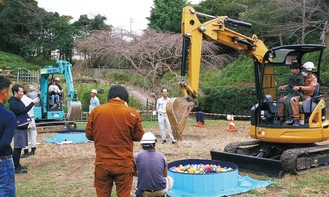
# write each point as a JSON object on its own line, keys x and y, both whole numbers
{"x": 33, "y": 93}
{"x": 163, "y": 118}
{"x": 151, "y": 169}
{"x": 7, "y": 129}
{"x": 94, "y": 101}
{"x": 20, "y": 136}
{"x": 31, "y": 129}
{"x": 113, "y": 127}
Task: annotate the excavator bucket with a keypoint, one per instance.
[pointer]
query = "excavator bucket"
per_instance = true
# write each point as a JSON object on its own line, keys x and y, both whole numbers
{"x": 73, "y": 110}
{"x": 178, "y": 110}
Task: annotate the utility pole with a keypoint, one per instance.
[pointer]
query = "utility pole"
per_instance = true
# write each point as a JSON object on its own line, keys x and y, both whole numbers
{"x": 131, "y": 22}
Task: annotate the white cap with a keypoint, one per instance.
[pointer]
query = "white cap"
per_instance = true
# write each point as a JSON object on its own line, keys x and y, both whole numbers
{"x": 148, "y": 138}
{"x": 56, "y": 79}
{"x": 94, "y": 91}
{"x": 309, "y": 66}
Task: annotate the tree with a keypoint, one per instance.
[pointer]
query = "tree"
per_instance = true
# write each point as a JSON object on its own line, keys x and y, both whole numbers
{"x": 85, "y": 25}
{"x": 166, "y": 15}
{"x": 230, "y": 8}
{"x": 152, "y": 54}
{"x": 29, "y": 31}
{"x": 287, "y": 22}
{"x": 18, "y": 24}
{"x": 61, "y": 36}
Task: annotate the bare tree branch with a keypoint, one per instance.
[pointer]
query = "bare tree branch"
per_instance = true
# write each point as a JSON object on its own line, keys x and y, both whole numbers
{"x": 152, "y": 54}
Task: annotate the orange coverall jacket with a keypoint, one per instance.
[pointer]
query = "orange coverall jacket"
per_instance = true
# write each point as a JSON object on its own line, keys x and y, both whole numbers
{"x": 113, "y": 127}
{"x": 309, "y": 86}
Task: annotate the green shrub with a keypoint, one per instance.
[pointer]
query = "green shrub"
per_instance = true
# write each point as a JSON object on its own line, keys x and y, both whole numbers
{"x": 325, "y": 68}
{"x": 15, "y": 62}
{"x": 236, "y": 99}
{"x": 84, "y": 95}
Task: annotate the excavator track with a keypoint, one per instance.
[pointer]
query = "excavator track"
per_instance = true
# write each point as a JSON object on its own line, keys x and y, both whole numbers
{"x": 54, "y": 126}
{"x": 301, "y": 160}
{"x": 295, "y": 159}
{"x": 233, "y": 147}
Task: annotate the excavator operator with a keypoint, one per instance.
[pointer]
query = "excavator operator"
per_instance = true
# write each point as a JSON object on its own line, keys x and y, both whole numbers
{"x": 57, "y": 80}
{"x": 307, "y": 89}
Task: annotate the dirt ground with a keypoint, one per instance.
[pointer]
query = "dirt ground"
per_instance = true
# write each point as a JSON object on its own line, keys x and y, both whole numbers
{"x": 67, "y": 170}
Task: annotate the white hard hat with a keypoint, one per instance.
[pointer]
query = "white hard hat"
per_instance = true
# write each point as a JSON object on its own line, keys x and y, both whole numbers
{"x": 148, "y": 138}
{"x": 309, "y": 66}
{"x": 94, "y": 91}
{"x": 56, "y": 79}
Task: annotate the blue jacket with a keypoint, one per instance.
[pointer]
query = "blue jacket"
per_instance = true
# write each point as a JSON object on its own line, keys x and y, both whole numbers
{"x": 7, "y": 129}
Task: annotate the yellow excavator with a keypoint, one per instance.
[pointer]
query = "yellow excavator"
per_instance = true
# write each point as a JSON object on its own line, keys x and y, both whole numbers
{"x": 276, "y": 148}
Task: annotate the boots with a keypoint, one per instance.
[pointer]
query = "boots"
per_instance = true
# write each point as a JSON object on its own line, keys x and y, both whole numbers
{"x": 33, "y": 150}
{"x": 26, "y": 153}
{"x": 16, "y": 158}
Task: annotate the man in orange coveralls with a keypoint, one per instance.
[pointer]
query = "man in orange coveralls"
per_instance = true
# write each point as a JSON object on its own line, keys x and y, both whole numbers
{"x": 113, "y": 127}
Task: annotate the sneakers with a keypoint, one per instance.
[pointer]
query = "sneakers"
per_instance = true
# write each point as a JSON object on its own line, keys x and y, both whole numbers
{"x": 32, "y": 151}
{"x": 289, "y": 122}
{"x": 20, "y": 171}
{"x": 26, "y": 154}
{"x": 54, "y": 106}
{"x": 172, "y": 141}
{"x": 296, "y": 123}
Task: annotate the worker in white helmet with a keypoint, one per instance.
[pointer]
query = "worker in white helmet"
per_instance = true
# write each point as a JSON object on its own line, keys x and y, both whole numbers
{"x": 310, "y": 80}
{"x": 94, "y": 101}
{"x": 151, "y": 169}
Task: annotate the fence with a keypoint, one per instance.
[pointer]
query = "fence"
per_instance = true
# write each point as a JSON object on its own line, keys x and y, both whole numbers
{"x": 27, "y": 76}
{"x": 150, "y": 105}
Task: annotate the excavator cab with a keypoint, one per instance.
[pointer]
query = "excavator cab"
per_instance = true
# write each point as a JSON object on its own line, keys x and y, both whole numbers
{"x": 273, "y": 72}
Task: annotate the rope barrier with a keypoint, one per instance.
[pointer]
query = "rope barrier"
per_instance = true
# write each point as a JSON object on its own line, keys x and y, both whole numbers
{"x": 84, "y": 115}
{"x": 208, "y": 114}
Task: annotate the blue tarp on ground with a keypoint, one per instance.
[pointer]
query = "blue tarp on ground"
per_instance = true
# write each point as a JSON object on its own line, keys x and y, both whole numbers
{"x": 245, "y": 184}
{"x": 68, "y": 137}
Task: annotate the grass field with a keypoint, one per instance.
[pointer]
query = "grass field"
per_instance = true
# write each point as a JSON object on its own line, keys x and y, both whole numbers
{"x": 67, "y": 170}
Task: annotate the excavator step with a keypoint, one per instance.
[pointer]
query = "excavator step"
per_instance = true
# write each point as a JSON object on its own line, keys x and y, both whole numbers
{"x": 258, "y": 165}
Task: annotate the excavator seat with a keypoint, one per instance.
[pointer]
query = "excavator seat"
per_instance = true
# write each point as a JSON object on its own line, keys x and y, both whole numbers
{"x": 309, "y": 104}
{"x": 272, "y": 105}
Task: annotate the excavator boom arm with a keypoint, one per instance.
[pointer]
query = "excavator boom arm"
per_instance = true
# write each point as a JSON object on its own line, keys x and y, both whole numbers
{"x": 213, "y": 30}
{"x": 193, "y": 32}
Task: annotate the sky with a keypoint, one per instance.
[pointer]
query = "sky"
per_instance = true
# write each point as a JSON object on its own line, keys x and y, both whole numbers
{"x": 126, "y": 14}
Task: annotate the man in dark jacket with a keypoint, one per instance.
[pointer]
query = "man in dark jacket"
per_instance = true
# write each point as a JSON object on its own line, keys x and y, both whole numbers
{"x": 7, "y": 129}
{"x": 20, "y": 136}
